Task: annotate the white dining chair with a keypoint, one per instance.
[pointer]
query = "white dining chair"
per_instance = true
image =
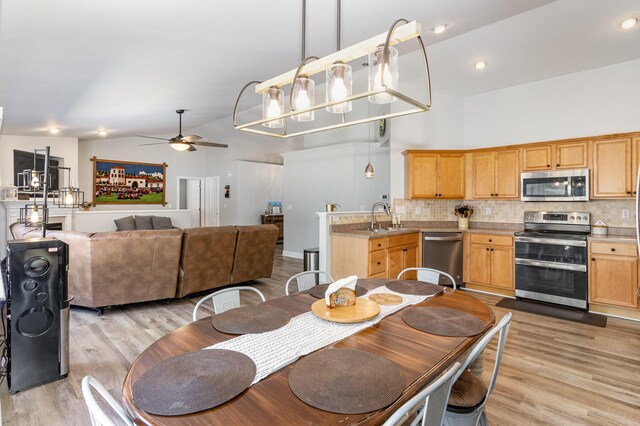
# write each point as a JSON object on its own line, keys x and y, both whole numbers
{"x": 308, "y": 279}
{"x": 429, "y": 275}
{"x": 98, "y": 416}
{"x": 469, "y": 394}
{"x": 225, "y": 299}
{"x": 431, "y": 402}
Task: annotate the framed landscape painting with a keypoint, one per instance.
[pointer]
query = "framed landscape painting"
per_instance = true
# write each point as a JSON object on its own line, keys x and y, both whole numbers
{"x": 127, "y": 182}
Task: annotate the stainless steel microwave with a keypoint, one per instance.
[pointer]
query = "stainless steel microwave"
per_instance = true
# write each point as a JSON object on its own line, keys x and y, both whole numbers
{"x": 559, "y": 185}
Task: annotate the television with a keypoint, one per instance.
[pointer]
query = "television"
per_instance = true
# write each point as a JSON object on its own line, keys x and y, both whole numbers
{"x": 23, "y": 160}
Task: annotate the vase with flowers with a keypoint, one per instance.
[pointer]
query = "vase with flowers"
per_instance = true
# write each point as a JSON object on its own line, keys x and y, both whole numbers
{"x": 463, "y": 212}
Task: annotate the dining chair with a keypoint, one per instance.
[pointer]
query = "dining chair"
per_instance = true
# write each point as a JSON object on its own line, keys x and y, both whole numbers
{"x": 98, "y": 416}
{"x": 225, "y": 299}
{"x": 469, "y": 394}
{"x": 308, "y": 279}
{"x": 429, "y": 275}
{"x": 431, "y": 402}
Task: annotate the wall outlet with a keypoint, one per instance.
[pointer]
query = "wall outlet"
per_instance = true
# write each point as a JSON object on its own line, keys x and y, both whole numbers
{"x": 625, "y": 214}
{"x": 487, "y": 211}
{"x": 401, "y": 209}
{"x": 418, "y": 210}
{"x": 289, "y": 206}
{"x": 384, "y": 197}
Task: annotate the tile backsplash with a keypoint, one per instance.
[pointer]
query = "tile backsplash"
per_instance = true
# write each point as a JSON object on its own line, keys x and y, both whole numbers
{"x": 611, "y": 211}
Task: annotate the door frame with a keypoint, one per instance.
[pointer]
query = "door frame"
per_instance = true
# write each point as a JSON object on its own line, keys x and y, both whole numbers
{"x": 202, "y": 194}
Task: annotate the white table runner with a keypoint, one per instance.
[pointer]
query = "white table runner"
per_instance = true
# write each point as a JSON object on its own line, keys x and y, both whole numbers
{"x": 304, "y": 334}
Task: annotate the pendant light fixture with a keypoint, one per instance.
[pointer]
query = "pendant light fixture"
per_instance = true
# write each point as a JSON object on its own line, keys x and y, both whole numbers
{"x": 368, "y": 171}
{"x": 340, "y": 100}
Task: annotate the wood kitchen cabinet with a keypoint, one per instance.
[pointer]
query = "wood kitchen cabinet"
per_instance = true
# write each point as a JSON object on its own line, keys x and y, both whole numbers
{"x": 489, "y": 261}
{"x": 613, "y": 274}
{"x": 381, "y": 257}
{"x": 613, "y": 168}
{"x": 558, "y": 156}
{"x": 496, "y": 174}
{"x": 431, "y": 174}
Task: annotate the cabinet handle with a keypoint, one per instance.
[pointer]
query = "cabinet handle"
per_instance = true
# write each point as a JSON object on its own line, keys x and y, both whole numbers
{"x": 487, "y": 248}
{"x": 629, "y": 192}
{"x": 548, "y": 165}
{"x": 491, "y": 249}
{"x": 496, "y": 195}
{"x": 378, "y": 263}
{"x": 492, "y": 195}
{"x": 379, "y": 245}
{"x": 613, "y": 249}
{"x": 558, "y": 165}
{"x": 490, "y": 240}
{"x": 593, "y": 259}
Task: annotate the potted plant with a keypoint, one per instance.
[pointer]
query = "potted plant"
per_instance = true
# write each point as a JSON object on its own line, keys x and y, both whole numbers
{"x": 463, "y": 212}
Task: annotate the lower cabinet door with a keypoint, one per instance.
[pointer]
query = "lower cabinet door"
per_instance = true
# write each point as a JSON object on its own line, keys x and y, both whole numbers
{"x": 502, "y": 267}
{"x": 395, "y": 261}
{"x": 410, "y": 261}
{"x": 613, "y": 280}
{"x": 480, "y": 264}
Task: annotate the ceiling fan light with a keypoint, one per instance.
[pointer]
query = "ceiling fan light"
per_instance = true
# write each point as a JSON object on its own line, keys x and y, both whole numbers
{"x": 304, "y": 97}
{"x": 180, "y": 146}
{"x": 272, "y": 106}
{"x": 339, "y": 86}
{"x": 383, "y": 73}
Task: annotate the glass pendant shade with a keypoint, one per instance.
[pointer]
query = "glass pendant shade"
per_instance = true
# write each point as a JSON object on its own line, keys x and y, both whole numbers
{"x": 339, "y": 86}
{"x": 304, "y": 96}
{"x": 34, "y": 214}
{"x": 273, "y": 106}
{"x": 379, "y": 79}
{"x": 368, "y": 171}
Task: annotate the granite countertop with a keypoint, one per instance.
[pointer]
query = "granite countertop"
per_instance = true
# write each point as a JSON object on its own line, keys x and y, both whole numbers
{"x": 363, "y": 233}
{"x": 613, "y": 238}
{"x": 355, "y": 229}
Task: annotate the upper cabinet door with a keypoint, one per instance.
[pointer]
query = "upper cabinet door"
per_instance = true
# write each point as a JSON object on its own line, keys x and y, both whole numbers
{"x": 507, "y": 174}
{"x": 572, "y": 155}
{"x": 421, "y": 171}
{"x": 451, "y": 176}
{"x": 537, "y": 158}
{"x": 635, "y": 165}
{"x": 612, "y": 168}
{"x": 484, "y": 174}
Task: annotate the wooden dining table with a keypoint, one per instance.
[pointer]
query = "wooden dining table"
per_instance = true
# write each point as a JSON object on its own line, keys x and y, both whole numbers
{"x": 420, "y": 356}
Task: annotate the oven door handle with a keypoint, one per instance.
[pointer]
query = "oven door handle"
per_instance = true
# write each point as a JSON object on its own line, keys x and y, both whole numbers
{"x": 551, "y": 265}
{"x": 551, "y": 241}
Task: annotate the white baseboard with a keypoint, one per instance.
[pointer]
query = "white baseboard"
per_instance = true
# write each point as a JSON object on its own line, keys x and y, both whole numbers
{"x": 293, "y": 254}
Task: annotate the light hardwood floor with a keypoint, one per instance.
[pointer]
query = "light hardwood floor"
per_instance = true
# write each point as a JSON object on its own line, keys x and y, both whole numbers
{"x": 553, "y": 372}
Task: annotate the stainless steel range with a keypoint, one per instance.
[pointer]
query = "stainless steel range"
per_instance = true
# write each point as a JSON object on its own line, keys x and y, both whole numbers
{"x": 551, "y": 258}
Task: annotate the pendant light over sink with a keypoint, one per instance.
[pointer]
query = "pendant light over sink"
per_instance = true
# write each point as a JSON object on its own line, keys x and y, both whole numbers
{"x": 341, "y": 107}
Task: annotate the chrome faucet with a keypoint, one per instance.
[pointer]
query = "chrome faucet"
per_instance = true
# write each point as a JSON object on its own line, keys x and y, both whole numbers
{"x": 373, "y": 224}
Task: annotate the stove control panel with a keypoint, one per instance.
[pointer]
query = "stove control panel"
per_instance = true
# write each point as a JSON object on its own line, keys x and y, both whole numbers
{"x": 566, "y": 218}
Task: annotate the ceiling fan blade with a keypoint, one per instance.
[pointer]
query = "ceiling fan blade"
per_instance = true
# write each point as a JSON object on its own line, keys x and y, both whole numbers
{"x": 211, "y": 144}
{"x": 192, "y": 138}
{"x": 157, "y": 143}
{"x": 192, "y": 148}
{"x": 152, "y": 137}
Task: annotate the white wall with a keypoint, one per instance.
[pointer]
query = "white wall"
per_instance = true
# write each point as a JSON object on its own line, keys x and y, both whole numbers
{"x": 256, "y": 185}
{"x": 589, "y": 103}
{"x": 335, "y": 174}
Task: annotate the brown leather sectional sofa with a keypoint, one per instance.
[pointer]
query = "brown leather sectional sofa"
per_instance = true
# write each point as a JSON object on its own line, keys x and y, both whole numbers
{"x": 116, "y": 268}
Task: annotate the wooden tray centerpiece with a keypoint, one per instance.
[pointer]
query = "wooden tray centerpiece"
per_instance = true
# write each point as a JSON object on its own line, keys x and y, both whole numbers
{"x": 340, "y": 303}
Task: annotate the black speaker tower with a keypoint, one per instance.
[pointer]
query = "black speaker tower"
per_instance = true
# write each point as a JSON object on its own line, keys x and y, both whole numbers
{"x": 37, "y": 312}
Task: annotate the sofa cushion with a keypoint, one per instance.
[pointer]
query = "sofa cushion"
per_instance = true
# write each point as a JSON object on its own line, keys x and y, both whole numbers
{"x": 125, "y": 224}
{"x": 161, "y": 222}
{"x": 144, "y": 222}
{"x": 255, "y": 250}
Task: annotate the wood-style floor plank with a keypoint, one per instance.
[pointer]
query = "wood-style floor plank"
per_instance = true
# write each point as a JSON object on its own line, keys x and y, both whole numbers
{"x": 554, "y": 372}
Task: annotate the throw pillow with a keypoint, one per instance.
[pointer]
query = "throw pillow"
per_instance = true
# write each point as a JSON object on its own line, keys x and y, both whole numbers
{"x": 144, "y": 222}
{"x": 125, "y": 224}
{"x": 161, "y": 222}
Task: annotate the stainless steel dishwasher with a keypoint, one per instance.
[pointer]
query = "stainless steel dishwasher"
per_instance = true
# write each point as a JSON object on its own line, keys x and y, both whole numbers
{"x": 443, "y": 251}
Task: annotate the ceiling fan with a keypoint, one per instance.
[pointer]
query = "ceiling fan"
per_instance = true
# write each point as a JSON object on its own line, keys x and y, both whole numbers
{"x": 184, "y": 143}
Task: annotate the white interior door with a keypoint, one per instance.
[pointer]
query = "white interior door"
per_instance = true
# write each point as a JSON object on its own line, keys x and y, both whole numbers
{"x": 211, "y": 201}
{"x": 194, "y": 199}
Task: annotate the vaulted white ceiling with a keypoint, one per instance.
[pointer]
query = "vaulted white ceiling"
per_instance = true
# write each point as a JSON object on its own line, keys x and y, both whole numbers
{"x": 127, "y": 65}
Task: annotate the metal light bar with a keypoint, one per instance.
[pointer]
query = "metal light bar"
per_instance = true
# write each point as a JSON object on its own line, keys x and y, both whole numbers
{"x": 400, "y": 34}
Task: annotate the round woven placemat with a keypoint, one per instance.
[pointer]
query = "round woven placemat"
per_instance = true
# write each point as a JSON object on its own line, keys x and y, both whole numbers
{"x": 193, "y": 382}
{"x": 251, "y": 319}
{"x": 386, "y": 298}
{"x": 318, "y": 291}
{"x": 443, "y": 321}
{"x": 416, "y": 288}
{"x": 346, "y": 381}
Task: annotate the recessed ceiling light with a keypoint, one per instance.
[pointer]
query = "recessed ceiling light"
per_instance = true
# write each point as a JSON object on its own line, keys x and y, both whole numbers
{"x": 628, "y": 23}
{"x": 480, "y": 65}
{"x": 54, "y": 130}
{"x": 102, "y": 132}
{"x": 440, "y": 28}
